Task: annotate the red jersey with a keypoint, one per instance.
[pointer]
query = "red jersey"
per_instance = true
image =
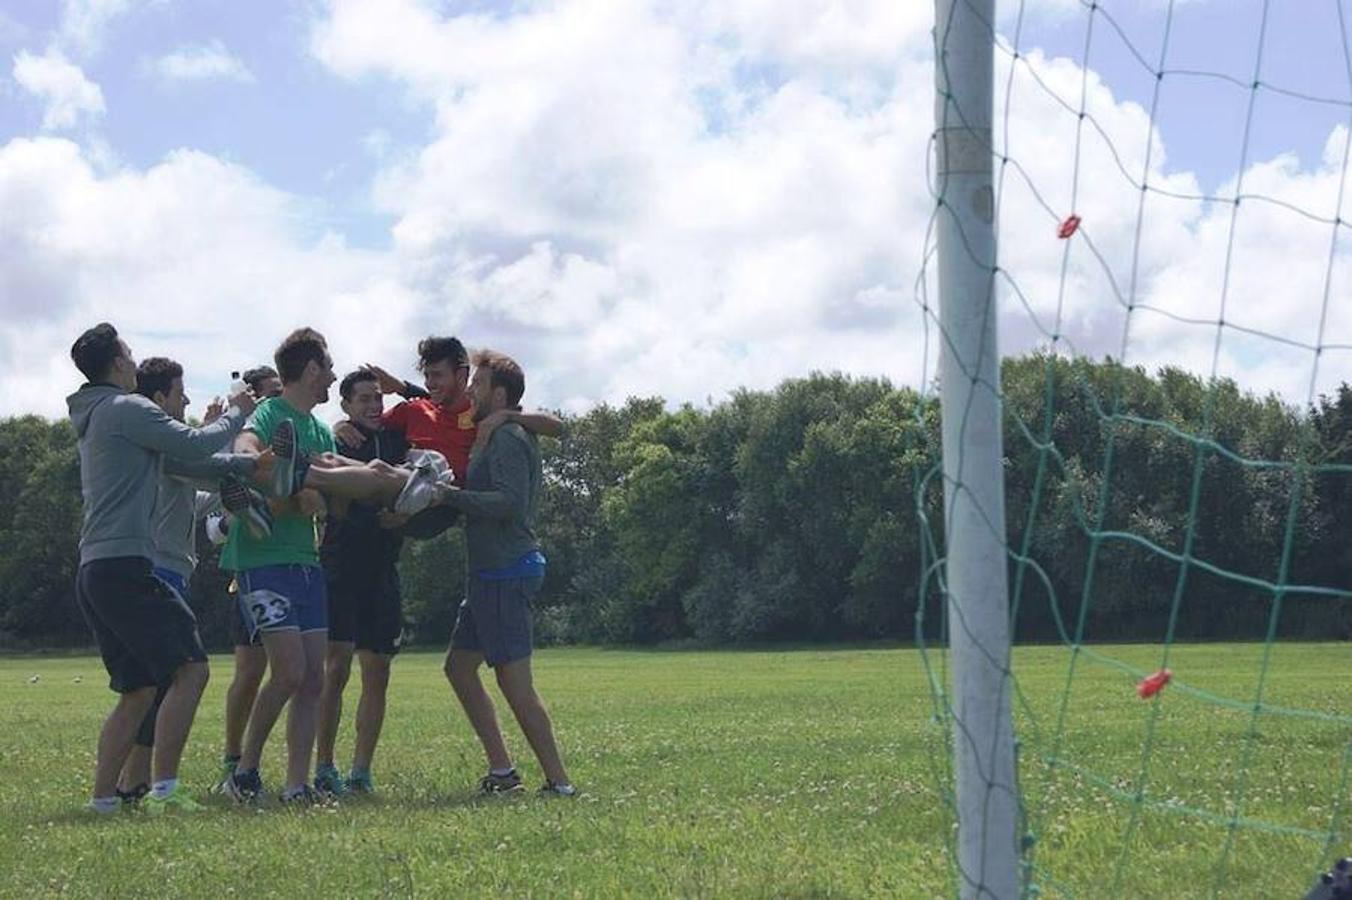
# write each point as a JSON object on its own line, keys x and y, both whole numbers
{"x": 427, "y": 425}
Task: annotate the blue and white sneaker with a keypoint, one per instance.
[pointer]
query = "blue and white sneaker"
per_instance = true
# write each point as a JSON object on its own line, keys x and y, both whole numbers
{"x": 246, "y": 505}
{"x": 245, "y": 786}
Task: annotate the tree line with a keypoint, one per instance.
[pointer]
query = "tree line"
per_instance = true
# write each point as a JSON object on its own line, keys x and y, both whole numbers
{"x": 813, "y": 512}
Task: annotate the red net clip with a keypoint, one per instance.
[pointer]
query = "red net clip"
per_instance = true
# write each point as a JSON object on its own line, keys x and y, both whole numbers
{"x": 1068, "y": 227}
{"x": 1153, "y": 684}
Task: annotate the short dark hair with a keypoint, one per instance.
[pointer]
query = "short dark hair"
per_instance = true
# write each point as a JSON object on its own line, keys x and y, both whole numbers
{"x": 156, "y": 374}
{"x": 506, "y": 373}
{"x": 94, "y": 351}
{"x": 297, "y": 350}
{"x": 437, "y": 349}
{"x": 352, "y": 379}
{"x": 257, "y": 375}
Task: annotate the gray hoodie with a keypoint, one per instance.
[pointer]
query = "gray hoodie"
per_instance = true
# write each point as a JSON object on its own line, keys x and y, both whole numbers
{"x": 187, "y": 493}
{"x": 122, "y": 441}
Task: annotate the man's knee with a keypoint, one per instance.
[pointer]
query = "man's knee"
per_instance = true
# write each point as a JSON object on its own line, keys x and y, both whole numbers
{"x": 192, "y": 676}
{"x": 138, "y": 701}
{"x": 338, "y": 666}
{"x": 461, "y": 668}
{"x": 288, "y": 675}
{"x": 250, "y": 664}
{"x": 375, "y": 671}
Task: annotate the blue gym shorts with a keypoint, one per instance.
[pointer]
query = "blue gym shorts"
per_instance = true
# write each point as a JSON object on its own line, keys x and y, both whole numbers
{"x": 284, "y": 597}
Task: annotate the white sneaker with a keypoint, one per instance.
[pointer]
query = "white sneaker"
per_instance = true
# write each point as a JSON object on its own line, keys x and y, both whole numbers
{"x": 419, "y": 492}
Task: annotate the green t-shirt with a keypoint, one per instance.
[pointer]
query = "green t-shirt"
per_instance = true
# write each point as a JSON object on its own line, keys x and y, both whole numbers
{"x": 293, "y": 535}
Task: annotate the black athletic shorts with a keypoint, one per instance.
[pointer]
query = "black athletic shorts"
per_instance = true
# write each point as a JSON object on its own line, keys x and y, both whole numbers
{"x": 366, "y": 607}
{"x": 145, "y": 631}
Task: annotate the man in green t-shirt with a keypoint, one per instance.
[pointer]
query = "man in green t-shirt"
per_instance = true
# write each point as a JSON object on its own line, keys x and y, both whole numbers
{"x": 281, "y": 585}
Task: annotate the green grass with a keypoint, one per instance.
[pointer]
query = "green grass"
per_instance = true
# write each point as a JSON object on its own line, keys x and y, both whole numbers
{"x": 801, "y": 773}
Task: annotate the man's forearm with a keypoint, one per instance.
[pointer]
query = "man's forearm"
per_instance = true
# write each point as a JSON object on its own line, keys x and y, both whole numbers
{"x": 481, "y": 504}
{"x": 538, "y": 422}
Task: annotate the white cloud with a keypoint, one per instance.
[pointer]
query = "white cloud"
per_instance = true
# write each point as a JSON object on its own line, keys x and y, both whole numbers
{"x": 202, "y": 62}
{"x": 193, "y": 258}
{"x": 640, "y": 201}
{"x": 61, "y": 84}
{"x": 83, "y": 21}
{"x": 742, "y": 185}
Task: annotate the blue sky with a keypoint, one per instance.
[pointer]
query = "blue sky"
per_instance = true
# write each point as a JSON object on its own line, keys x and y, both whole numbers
{"x": 686, "y": 197}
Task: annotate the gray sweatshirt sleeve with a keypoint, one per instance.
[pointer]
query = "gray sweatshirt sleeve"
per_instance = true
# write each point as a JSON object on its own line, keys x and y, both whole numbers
{"x": 206, "y": 473}
{"x": 509, "y": 473}
{"x": 144, "y": 423}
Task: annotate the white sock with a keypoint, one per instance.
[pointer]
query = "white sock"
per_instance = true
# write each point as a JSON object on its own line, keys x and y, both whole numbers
{"x": 164, "y": 788}
{"x": 105, "y": 804}
{"x": 566, "y": 789}
{"x": 502, "y": 773}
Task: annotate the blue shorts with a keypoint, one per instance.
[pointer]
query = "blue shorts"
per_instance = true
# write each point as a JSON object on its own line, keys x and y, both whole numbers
{"x": 495, "y": 618}
{"x": 289, "y": 597}
{"x": 173, "y": 579}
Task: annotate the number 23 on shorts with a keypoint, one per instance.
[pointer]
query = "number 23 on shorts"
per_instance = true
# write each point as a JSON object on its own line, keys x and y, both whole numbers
{"x": 267, "y": 608}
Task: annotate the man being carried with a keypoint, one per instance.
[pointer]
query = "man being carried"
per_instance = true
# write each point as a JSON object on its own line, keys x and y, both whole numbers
{"x": 441, "y": 418}
{"x": 506, "y": 570}
{"x": 146, "y": 635}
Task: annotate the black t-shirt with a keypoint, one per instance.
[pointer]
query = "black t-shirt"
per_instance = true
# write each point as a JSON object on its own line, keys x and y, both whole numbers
{"x": 356, "y": 545}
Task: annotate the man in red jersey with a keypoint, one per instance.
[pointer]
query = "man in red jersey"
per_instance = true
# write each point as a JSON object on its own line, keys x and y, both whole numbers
{"x": 441, "y": 418}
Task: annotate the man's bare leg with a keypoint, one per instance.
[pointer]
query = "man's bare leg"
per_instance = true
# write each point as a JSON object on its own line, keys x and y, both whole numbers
{"x": 337, "y": 670}
{"x": 250, "y": 664}
{"x": 116, "y": 736}
{"x": 518, "y": 687}
{"x": 286, "y": 660}
{"x": 176, "y": 717}
{"x": 462, "y": 669}
{"x": 375, "y": 682}
{"x": 304, "y": 714}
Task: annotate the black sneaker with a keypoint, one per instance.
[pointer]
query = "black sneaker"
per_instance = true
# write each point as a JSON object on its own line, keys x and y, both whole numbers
{"x": 291, "y": 466}
{"x": 550, "y": 789}
{"x": 133, "y": 796}
{"x": 247, "y": 505}
{"x": 245, "y": 785}
{"x": 501, "y": 784}
{"x": 306, "y": 796}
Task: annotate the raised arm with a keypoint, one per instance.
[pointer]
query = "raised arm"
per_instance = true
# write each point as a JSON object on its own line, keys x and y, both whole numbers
{"x": 146, "y": 424}
{"x": 206, "y": 473}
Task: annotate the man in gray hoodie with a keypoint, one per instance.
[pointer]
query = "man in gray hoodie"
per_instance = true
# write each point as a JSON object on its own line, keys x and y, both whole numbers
{"x": 187, "y": 493}
{"x": 146, "y": 634}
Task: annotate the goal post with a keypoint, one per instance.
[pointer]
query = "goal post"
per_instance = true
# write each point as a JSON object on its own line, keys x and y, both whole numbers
{"x": 976, "y": 563}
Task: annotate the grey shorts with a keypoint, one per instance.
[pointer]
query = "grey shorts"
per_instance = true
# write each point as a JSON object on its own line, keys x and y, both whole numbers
{"x": 495, "y": 620}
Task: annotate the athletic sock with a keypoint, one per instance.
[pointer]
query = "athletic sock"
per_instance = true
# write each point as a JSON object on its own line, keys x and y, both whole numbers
{"x": 502, "y": 773}
{"x": 164, "y": 788}
{"x": 105, "y": 804}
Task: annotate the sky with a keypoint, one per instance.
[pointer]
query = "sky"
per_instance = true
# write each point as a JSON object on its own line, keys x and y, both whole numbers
{"x": 673, "y": 198}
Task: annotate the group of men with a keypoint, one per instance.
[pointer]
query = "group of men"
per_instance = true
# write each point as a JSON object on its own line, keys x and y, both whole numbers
{"x": 312, "y": 527}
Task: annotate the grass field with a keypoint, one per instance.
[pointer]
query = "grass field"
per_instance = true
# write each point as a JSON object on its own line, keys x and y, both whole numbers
{"x": 800, "y": 773}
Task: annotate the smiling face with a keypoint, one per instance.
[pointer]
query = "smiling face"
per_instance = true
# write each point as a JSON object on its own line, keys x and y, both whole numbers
{"x": 365, "y": 404}
{"x": 445, "y": 381}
